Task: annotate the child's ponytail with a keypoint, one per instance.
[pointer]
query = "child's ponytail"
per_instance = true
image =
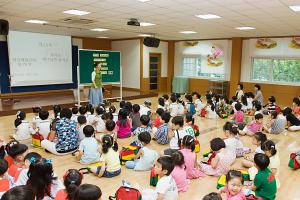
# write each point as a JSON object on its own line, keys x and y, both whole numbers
{"x": 18, "y": 122}
{"x": 72, "y": 180}
{"x": 115, "y": 146}
{"x": 108, "y": 142}
{"x": 269, "y": 145}
{"x": 189, "y": 142}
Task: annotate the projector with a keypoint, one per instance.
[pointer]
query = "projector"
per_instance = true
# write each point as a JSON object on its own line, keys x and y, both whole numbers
{"x": 133, "y": 22}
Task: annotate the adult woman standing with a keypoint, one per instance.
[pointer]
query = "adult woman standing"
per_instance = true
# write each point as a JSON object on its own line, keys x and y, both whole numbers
{"x": 96, "y": 95}
{"x": 258, "y": 95}
{"x": 239, "y": 92}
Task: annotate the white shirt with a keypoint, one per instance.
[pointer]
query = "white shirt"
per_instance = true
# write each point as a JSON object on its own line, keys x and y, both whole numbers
{"x": 115, "y": 117}
{"x": 174, "y": 140}
{"x": 167, "y": 186}
{"x": 239, "y": 94}
{"x": 249, "y": 102}
{"x": 144, "y": 110}
{"x": 233, "y": 106}
{"x": 99, "y": 123}
{"x": 173, "y": 108}
{"x": 90, "y": 118}
{"x": 44, "y": 127}
{"x": 198, "y": 105}
{"x": 89, "y": 146}
{"x": 210, "y": 114}
{"x": 233, "y": 144}
{"x": 74, "y": 117}
{"x": 80, "y": 132}
{"x": 180, "y": 109}
{"x": 23, "y": 131}
{"x": 93, "y": 76}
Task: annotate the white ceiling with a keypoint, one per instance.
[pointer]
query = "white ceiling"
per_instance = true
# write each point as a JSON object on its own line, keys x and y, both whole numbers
{"x": 269, "y": 17}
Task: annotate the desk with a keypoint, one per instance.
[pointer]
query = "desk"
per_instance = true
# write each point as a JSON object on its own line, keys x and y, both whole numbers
{"x": 180, "y": 84}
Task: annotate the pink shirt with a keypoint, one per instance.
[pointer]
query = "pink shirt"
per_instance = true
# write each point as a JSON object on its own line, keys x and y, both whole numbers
{"x": 179, "y": 175}
{"x": 124, "y": 131}
{"x": 239, "y": 117}
{"x": 238, "y": 196}
{"x": 189, "y": 161}
{"x": 254, "y": 127}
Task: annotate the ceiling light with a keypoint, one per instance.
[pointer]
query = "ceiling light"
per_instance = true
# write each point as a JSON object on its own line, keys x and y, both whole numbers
{"x": 187, "y": 32}
{"x": 208, "y": 16}
{"x": 103, "y": 37}
{"x": 245, "y": 28}
{"x": 145, "y": 35}
{"x": 76, "y": 12}
{"x": 35, "y": 21}
{"x": 146, "y": 24}
{"x": 295, "y": 8}
{"x": 143, "y": 1}
{"x": 99, "y": 29}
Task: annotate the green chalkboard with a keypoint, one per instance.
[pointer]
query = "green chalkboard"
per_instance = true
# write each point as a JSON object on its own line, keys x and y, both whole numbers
{"x": 110, "y": 60}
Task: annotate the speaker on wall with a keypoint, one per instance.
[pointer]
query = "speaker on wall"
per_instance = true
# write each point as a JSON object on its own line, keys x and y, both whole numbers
{"x": 151, "y": 42}
{"x": 4, "y": 27}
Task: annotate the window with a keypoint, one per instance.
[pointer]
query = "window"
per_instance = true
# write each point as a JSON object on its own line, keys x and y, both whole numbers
{"x": 191, "y": 66}
{"x": 276, "y": 70}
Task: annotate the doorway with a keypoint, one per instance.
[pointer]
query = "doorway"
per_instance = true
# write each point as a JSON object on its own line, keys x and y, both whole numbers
{"x": 154, "y": 71}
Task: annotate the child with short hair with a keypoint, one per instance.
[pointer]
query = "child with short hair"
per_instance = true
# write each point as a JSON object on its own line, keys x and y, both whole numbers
{"x": 221, "y": 163}
{"x": 189, "y": 122}
{"x": 36, "y": 110}
{"x": 271, "y": 106}
{"x": 179, "y": 172}
{"x": 296, "y": 106}
{"x": 161, "y": 135}
{"x": 161, "y": 103}
{"x": 166, "y": 99}
{"x": 17, "y": 152}
{"x": 72, "y": 180}
{"x": 6, "y": 181}
{"x": 135, "y": 117}
{"x": 238, "y": 116}
{"x": 82, "y": 122}
{"x": 173, "y": 107}
{"x": 264, "y": 182}
{"x": 181, "y": 107}
{"x": 166, "y": 188}
{"x": 277, "y": 123}
{"x": 258, "y": 140}
{"x": 112, "y": 109}
{"x": 22, "y": 192}
{"x": 145, "y": 158}
{"x": 23, "y": 129}
{"x": 98, "y": 121}
{"x": 56, "y": 112}
{"x": 82, "y": 110}
{"x": 88, "y": 151}
{"x": 110, "y": 127}
{"x": 210, "y": 110}
{"x": 123, "y": 128}
{"x": 190, "y": 107}
{"x": 88, "y": 192}
{"x": 44, "y": 125}
{"x": 198, "y": 102}
{"x": 90, "y": 116}
{"x": 245, "y": 105}
{"x": 292, "y": 121}
{"x": 223, "y": 107}
{"x": 234, "y": 186}
{"x": 110, "y": 161}
{"x": 212, "y": 196}
{"x": 74, "y": 113}
{"x": 156, "y": 122}
{"x": 145, "y": 109}
{"x": 255, "y": 126}
{"x": 190, "y": 158}
{"x": 145, "y": 119}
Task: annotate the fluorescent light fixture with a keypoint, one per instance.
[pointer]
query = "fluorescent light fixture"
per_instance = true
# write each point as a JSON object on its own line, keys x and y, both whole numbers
{"x": 295, "y": 8}
{"x": 187, "y": 32}
{"x": 208, "y": 16}
{"x": 143, "y": 1}
{"x": 145, "y": 35}
{"x": 35, "y": 21}
{"x": 99, "y": 29}
{"x": 76, "y": 12}
{"x": 245, "y": 28}
{"x": 103, "y": 37}
{"x": 146, "y": 24}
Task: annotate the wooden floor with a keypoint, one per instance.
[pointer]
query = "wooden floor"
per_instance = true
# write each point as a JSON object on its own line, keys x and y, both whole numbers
{"x": 290, "y": 180}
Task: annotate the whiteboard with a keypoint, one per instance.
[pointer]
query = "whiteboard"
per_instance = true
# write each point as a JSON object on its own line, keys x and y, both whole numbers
{"x": 39, "y": 59}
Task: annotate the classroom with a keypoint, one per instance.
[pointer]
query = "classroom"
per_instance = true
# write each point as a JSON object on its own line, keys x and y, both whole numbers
{"x": 149, "y": 99}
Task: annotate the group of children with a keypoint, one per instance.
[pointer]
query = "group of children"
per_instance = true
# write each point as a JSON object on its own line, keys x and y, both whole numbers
{"x": 98, "y": 130}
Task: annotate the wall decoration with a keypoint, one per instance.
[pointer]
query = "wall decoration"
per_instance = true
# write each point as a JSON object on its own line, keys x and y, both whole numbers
{"x": 295, "y": 43}
{"x": 265, "y": 43}
{"x": 214, "y": 58}
{"x": 190, "y": 43}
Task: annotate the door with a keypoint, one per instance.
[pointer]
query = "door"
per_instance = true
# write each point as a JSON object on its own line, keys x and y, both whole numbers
{"x": 154, "y": 71}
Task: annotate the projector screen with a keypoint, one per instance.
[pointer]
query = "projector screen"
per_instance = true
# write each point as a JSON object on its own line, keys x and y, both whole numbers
{"x": 39, "y": 59}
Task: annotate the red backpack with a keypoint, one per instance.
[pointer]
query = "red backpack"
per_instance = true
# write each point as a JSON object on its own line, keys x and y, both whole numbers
{"x": 203, "y": 112}
{"x": 277, "y": 109}
{"x": 126, "y": 193}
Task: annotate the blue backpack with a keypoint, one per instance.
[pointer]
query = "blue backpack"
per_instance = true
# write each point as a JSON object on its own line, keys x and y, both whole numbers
{"x": 192, "y": 109}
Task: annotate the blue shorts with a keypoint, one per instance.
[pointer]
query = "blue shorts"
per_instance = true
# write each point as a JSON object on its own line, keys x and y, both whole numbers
{"x": 108, "y": 174}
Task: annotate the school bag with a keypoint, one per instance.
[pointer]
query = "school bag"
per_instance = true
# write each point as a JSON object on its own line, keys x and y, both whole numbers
{"x": 127, "y": 153}
{"x": 196, "y": 130}
{"x": 203, "y": 112}
{"x": 277, "y": 109}
{"x": 37, "y": 138}
{"x": 293, "y": 164}
{"x": 222, "y": 179}
{"x": 126, "y": 193}
{"x": 192, "y": 109}
{"x": 153, "y": 177}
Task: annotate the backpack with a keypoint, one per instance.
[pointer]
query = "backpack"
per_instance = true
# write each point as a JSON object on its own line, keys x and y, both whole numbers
{"x": 277, "y": 109}
{"x": 126, "y": 193}
{"x": 196, "y": 130}
{"x": 127, "y": 153}
{"x": 37, "y": 139}
{"x": 192, "y": 109}
{"x": 293, "y": 164}
{"x": 153, "y": 177}
{"x": 203, "y": 112}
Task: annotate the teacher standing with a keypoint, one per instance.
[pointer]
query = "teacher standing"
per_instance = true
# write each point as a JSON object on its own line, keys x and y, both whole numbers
{"x": 96, "y": 95}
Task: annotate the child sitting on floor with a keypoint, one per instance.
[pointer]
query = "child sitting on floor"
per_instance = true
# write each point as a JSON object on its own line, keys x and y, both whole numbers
{"x": 110, "y": 161}
{"x": 271, "y": 106}
{"x": 173, "y": 107}
{"x": 145, "y": 119}
{"x": 210, "y": 110}
{"x": 181, "y": 107}
{"x": 99, "y": 123}
{"x": 44, "y": 124}
{"x": 223, "y": 160}
{"x": 17, "y": 152}
{"x": 145, "y": 157}
{"x": 82, "y": 122}
{"x": 189, "y": 122}
{"x": 88, "y": 151}
{"x": 161, "y": 103}
{"x": 156, "y": 122}
{"x": 190, "y": 107}
{"x": 74, "y": 113}
{"x": 276, "y": 124}
{"x": 23, "y": 130}
{"x": 135, "y": 117}
{"x": 123, "y": 128}
{"x": 179, "y": 172}
{"x": 255, "y": 126}
{"x": 198, "y": 102}
{"x": 238, "y": 116}
{"x": 88, "y": 192}
{"x": 234, "y": 186}
{"x": 161, "y": 135}
{"x": 264, "y": 182}
{"x": 6, "y": 181}
{"x": 166, "y": 188}
{"x": 145, "y": 109}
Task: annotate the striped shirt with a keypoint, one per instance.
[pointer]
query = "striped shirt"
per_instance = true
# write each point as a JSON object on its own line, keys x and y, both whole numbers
{"x": 161, "y": 135}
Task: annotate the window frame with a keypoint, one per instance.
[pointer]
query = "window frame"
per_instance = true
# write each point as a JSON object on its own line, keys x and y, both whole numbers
{"x": 271, "y": 71}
